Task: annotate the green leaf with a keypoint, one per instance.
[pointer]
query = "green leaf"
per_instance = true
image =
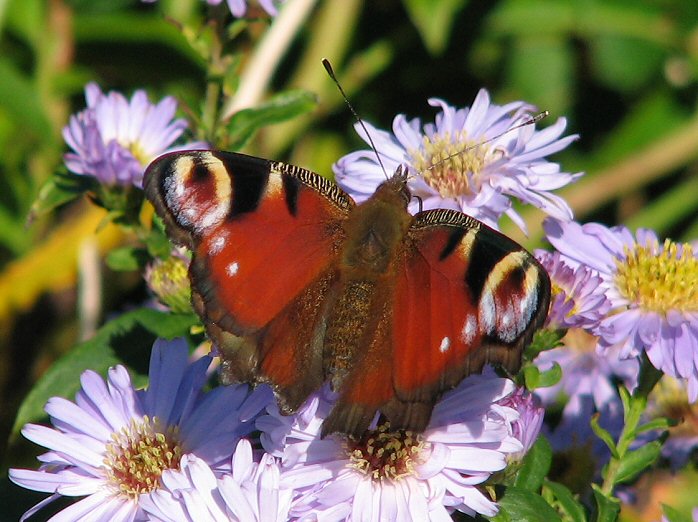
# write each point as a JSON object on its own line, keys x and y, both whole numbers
{"x": 541, "y": 70}
{"x": 572, "y": 510}
{"x": 127, "y": 259}
{"x": 61, "y": 188}
{"x": 535, "y": 466}
{"x": 531, "y": 376}
{"x": 625, "y": 64}
{"x": 673, "y": 515}
{"x": 550, "y": 377}
{"x": 660, "y": 423}
{"x": 137, "y": 27}
{"x": 604, "y": 435}
{"x": 524, "y": 506}
{"x": 607, "y": 508}
{"x": 157, "y": 242}
{"x": 282, "y": 107}
{"x": 634, "y": 462}
{"x": 543, "y": 340}
{"x": 20, "y": 99}
{"x": 434, "y": 20}
{"x": 626, "y": 399}
{"x": 124, "y": 340}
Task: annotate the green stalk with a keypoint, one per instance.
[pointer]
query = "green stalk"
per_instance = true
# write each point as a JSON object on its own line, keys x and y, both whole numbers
{"x": 649, "y": 376}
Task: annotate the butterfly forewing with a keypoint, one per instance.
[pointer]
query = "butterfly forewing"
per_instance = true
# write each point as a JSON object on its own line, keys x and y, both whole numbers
{"x": 266, "y": 235}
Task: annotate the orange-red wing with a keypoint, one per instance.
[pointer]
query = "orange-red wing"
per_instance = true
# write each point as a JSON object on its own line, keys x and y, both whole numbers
{"x": 466, "y": 295}
{"x": 260, "y": 231}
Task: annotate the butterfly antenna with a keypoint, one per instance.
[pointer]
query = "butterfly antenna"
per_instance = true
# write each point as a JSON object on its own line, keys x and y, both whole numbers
{"x": 330, "y": 72}
{"x": 530, "y": 121}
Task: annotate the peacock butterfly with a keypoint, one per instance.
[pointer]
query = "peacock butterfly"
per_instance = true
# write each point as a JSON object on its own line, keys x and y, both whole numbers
{"x": 298, "y": 285}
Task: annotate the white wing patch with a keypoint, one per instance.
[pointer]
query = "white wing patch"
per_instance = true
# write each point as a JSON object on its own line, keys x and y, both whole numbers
{"x": 469, "y": 330}
{"x": 233, "y": 268}
{"x": 445, "y": 345}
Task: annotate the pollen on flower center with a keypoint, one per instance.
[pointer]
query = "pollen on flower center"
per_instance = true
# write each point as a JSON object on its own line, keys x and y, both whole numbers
{"x": 385, "y": 454}
{"x": 450, "y": 165}
{"x": 138, "y": 454}
{"x": 660, "y": 281}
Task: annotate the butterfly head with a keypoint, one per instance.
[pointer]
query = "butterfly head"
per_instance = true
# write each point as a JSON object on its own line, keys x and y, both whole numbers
{"x": 395, "y": 188}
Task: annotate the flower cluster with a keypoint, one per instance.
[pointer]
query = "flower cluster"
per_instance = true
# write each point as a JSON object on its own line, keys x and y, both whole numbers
{"x": 620, "y": 296}
{"x": 653, "y": 292}
{"x": 172, "y": 451}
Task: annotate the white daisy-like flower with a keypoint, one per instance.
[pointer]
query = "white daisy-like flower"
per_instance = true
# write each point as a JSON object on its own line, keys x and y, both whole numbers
{"x": 247, "y": 492}
{"x": 113, "y": 443}
{"x": 397, "y": 475}
{"x": 471, "y": 159}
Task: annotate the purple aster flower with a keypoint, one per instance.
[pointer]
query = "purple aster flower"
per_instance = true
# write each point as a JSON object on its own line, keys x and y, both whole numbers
{"x": 653, "y": 289}
{"x": 238, "y": 8}
{"x": 578, "y": 300}
{"x": 113, "y": 443}
{"x": 466, "y": 160}
{"x": 527, "y": 427}
{"x": 397, "y": 475}
{"x": 248, "y": 491}
{"x": 114, "y": 139}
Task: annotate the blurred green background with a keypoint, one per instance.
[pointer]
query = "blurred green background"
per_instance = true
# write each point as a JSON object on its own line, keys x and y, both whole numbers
{"x": 624, "y": 73}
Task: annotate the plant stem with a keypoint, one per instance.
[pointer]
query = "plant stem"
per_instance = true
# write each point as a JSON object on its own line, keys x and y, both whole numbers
{"x": 649, "y": 376}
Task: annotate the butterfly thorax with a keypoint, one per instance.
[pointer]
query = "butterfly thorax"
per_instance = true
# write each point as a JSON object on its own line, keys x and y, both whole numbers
{"x": 369, "y": 261}
{"x": 376, "y": 229}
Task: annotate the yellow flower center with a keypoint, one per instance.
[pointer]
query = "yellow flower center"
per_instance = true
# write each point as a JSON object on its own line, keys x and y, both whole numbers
{"x": 137, "y": 150}
{"x": 659, "y": 282}
{"x": 451, "y": 166}
{"x": 385, "y": 454}
{"x": 138, "y": 454}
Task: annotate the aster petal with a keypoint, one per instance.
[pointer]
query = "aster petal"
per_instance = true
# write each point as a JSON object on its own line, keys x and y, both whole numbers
{"x": 74, "y": 418}
{"x": 682, "y": 347}
{"x": 123, "y": 396}
{"x": 93, "y": 94}
{"x": 573, "y": 241}
{"x": 649, "y": 328}
{"x": 95, "y": 390}
{"x": 167, "y": 365}
{"x": 242, "y": 461}
{"x": 236, "y": 500}
{"x": 97, "y": 507}
{"x": 66, "y": 482}
{"x": 71, "y": 449}
{"x": 311, "y": 474}
{"x": 473, "y": 460}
